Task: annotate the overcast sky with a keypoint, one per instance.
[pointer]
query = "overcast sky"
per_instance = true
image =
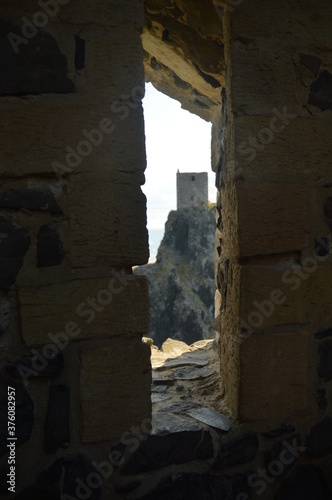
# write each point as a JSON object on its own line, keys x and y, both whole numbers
{"x": 175, "y": 139}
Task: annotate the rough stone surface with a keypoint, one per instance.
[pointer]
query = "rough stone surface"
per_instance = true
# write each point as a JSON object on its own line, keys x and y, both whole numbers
{"x": 60, "y": 140}
{"x": 128, "y": 293}
{"x": 57, "y": 420}
{"x": 14, "y": 243}
{"x": 26, "y": 366}
{"x": 272, "y": 218}
{"x": 319, "y": 441}
{"x": 182, "y": 280}
{"x": 183, "y": 45}
{"x": 30, "y": 199}
{"x": 304, "y": 483}
{"x": 173, "y": 440}
{"x": 24, "y": 412}
{"x": 272, "y": 296}
{"x": 122, "y": 244}
{"x": 325, "y": 363}
{"x": 49, "y": 246}
{"x": 282, "y": 364}
{"x": 237, "y": 451}
{"x": 106, "y": 374}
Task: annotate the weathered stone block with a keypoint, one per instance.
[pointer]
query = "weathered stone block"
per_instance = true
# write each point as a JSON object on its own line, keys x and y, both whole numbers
{"x": 79, "y": 309}
{"x": 289, "y": 153}
{"x": 273, "y": 379}
{"x": 112, "y": 398}
{"x": 113, "y": 231}
{"x": 272, "y": 296}
{"x": 272, "y": 218}
{"x": 256, "y": 78}
{"x": 320, "y": 292}
{"x": 73, "y": 136}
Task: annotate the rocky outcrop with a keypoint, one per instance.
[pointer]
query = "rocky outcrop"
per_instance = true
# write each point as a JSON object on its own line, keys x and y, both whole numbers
{"x": 182, "y": 279}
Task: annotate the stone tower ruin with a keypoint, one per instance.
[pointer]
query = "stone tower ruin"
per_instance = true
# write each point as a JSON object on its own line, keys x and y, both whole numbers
{"x": 191, "y": 189}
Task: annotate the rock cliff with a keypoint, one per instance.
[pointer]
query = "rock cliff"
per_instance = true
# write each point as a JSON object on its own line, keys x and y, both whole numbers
{"x": 182, "y": 278}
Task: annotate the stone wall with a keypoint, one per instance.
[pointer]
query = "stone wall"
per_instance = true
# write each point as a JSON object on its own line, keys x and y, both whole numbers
{"x": 72, "y": 225}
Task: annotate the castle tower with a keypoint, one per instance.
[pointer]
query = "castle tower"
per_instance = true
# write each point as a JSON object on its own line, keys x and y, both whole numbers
{"x": 191, "y": 189}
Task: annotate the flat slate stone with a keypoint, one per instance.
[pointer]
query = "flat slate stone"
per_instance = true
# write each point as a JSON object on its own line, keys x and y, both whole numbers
{"x": 304, "y": 483}
{"x": 159, "y": 388}
{"x": 237, "y": 451}
{"x": 179, "y": 406}
{"x": 212, "y": 418}
{"x": 156, "y": 398}
{"x": 193, "y": 373}
{"x": 319, "y": 441}
{"x": 166, "y": 423}
{"x": 184, "y": 361}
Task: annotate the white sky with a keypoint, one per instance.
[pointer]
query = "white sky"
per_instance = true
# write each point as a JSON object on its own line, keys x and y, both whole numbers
{"x": 175, "y": 139}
